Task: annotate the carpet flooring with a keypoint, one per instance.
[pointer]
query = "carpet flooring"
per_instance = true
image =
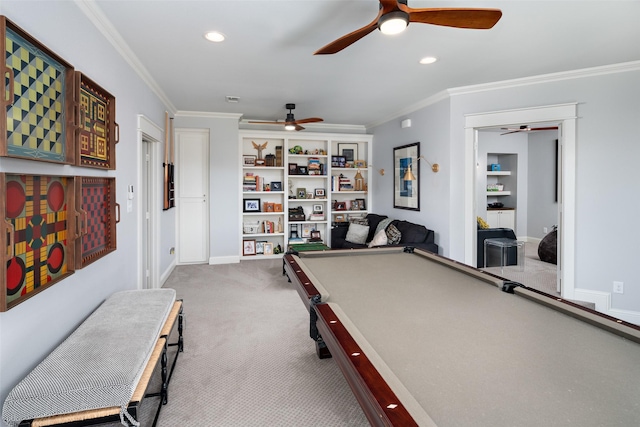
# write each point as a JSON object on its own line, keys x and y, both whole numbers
{"x": 248, "y": 359}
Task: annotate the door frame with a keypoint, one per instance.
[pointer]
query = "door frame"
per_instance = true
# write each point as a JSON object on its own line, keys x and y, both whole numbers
{"x": 153, "y": 134}
{"x": 566, "y": 116}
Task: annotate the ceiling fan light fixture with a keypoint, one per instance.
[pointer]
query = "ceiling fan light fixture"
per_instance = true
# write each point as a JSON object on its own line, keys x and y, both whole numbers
{"x": 289, "y": 126}
{"x": 393, "y": 22}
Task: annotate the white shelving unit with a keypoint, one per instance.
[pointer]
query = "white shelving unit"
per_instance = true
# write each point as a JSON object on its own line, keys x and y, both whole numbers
{"x": 302, "y": 152}
{"x": 507, "y": 177}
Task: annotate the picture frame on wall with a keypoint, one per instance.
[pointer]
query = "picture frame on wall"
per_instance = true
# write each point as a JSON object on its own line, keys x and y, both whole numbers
{"x": 406, "y": 177}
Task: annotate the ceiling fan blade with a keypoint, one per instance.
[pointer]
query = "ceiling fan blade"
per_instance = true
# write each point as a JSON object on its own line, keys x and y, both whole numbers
{"x": 547, "y": 128}
{"x": 309, "y": 120}
{"x": 298, "y": 127}
{"x": 345, "y": 41}
{"x": 474, "y": 18}
{"x": 513, "y": 131}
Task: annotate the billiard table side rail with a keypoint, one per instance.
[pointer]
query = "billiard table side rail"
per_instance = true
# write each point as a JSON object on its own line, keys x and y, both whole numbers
{"x": 374, "y": 391}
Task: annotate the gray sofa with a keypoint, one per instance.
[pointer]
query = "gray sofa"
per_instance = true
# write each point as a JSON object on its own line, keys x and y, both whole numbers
{"x": 415, "y": 235}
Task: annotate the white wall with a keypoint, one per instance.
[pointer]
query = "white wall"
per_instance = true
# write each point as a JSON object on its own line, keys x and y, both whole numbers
{"x": 430, "y": 127}
{"x": 32, "y": 329}
{"x": 543, "y": 207}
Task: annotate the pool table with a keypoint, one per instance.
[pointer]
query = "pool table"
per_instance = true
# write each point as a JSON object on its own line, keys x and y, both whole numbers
{"x": 425, "y": 340}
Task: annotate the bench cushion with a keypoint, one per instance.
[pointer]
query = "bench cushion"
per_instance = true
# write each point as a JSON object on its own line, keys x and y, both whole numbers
{"x": 99, "y": 364}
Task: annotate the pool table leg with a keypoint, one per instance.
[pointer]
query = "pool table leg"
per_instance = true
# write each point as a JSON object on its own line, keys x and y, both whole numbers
{"x": 321, "y": 348}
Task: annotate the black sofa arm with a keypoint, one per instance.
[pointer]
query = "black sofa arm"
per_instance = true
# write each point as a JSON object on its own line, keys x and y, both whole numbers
{"x": 338, "y": 234}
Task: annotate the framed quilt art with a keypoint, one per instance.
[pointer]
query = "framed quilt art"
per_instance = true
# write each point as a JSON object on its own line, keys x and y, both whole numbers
{"x": 37, "y": 235}
{"x": 36, "y": 100}
{"x": 98, "y": 133}
{"x": 98, "y": 214}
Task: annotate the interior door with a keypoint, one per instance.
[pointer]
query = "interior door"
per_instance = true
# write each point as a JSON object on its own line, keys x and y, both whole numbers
{"x": 192, "y": 189}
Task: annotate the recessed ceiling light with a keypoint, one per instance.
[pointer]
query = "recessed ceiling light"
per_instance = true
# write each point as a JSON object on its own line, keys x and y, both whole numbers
{"x": 214, "y": 36}
{"x": 428, "y": 60}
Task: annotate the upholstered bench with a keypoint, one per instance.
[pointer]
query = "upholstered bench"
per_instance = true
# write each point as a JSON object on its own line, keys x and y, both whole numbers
{"x": 101, "y": 372}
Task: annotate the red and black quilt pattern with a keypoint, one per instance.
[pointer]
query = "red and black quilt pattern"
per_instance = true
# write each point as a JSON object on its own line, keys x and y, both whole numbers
{"x": 36, "y": 208}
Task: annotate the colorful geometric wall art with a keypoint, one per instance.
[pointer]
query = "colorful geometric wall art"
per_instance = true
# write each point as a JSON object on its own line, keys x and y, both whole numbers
{"x": 99, "y": 213}
{"x": 98, "y": 131}
{"x": 38, "y": 234}
{"x": 37, "y": 112}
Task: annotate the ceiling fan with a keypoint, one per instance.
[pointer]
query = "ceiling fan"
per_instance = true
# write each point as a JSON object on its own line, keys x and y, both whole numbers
{"x": 527, "y": 128}
{"x": 290, "y": 122}
{"x": 394, "y": 16}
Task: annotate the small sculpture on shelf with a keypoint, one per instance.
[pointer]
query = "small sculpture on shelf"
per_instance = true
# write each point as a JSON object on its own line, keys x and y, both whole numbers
{"x": 260, "y": 147}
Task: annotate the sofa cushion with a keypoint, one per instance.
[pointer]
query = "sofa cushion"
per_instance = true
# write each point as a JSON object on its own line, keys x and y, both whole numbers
{"x": 374, "y": 219}
{"x": 393, "y": 235}
{"x": 380, "y": 239}
{"x": 411, "y": 233}
{"x": 357, "y": 233}
{"x": 382, "y": 225}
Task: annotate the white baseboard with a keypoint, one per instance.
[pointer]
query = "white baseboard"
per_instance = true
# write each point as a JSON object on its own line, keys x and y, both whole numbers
{"x": 602, "y": 300}
{"x": 224, "y": 260}
{"x": 164, "y": 276}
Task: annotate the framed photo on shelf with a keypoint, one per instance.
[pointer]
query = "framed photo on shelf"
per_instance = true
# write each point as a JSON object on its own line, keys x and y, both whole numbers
{"x": 248, "y": 160}
{"x": 293, "y": 169}
{"x": 306, "y": 230}
{"x": 349, "y": 151}
{"x": 341, "y": 206}
{"x": 361, "y": 204}
{"x": 268, "y": 248}
{"x": 360, "y": 164}
{"x": 301, "y": 193}
{"x": 260, "y": 246}
{"x": 276, "y": 186}
{"x": 338, "y": 161}
{"x": 340, "y": 218}
{"x": 406, "y": 177}
{"x": 250, "y": 205}
{"x": 318, "y": 208}
{"x": 248, "y": 247}
{"x": 319, "y": 193}
{"x": 303, "y": 170}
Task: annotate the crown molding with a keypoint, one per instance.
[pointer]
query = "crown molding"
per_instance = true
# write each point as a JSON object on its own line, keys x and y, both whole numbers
{"x": 100, "y": 21}
{"x": 208, "y": 115}
{"x": 547, "y": 78}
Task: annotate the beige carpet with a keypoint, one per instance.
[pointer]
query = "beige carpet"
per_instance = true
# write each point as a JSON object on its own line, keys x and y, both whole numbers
{"x": 248, "y": 358}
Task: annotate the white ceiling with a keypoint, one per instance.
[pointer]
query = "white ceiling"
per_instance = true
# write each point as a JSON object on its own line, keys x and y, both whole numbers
{"x": 267, "y": 59}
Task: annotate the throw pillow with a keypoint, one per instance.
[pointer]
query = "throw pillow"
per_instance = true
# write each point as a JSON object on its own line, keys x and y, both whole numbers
{"x": 393, "y": 235}
{"x": 357, "y": 233}
{"x": 482, "y": 223}
{"x": 359, "y": 220}
{"x": 380, "y": 239}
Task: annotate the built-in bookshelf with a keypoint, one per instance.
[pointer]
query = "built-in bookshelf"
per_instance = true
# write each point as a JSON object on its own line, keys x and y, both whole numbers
{"x": 297, "y": 185}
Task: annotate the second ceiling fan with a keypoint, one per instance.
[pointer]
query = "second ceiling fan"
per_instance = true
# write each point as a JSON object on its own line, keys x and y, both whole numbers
{"x": 527, "y": 128}
{"x": 394, "y": 16}
{"x": 290, "y": 123}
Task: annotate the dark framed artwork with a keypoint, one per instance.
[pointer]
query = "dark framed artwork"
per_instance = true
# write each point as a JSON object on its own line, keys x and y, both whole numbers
{"x": 406, "y": 177}
{"x": 37, "y": 235}
{"x": 349, "y": 151}
{"x": 250, "y": 205}
{"x": 98, "y": 215}
{"x": 276, "y": 186}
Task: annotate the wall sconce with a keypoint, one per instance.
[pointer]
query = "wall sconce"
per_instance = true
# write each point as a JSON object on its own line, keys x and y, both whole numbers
{"x": 409, "y": 176}
{"x": 381, "y": 172}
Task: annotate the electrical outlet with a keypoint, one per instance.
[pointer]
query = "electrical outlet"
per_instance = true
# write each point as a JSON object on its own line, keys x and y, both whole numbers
{"x": 172, "y": 251}
{"x": 545, "y": 230}
{"x": 618, "y": 287}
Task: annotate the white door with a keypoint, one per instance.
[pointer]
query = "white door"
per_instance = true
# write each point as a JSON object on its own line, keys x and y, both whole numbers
{"x": 192, "y": 189}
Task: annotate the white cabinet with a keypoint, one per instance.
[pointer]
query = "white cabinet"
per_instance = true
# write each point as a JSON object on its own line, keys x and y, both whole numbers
{"x": 502, "y": 218}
